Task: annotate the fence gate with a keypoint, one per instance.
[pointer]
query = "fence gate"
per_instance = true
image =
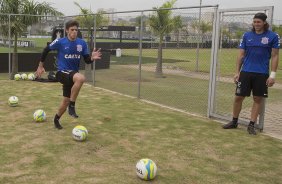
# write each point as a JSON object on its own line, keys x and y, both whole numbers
{"x": 231, "y": 24}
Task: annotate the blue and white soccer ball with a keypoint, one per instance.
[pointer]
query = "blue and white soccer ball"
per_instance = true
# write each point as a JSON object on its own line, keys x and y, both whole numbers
{"x": 39, "y": 115}
{"x": 146, "y": 169}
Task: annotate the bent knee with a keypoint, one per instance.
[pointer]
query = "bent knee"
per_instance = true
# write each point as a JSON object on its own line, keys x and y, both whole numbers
{"x": 79, "y": 78}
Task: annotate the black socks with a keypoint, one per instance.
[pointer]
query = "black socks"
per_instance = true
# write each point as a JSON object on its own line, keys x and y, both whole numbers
{"x": 252, "y": 123}
{"x": 251, "y": 128}
{"x": 235, "y": 120}
{"x": 57, "y": 122}
{"x": 71, "y": 109}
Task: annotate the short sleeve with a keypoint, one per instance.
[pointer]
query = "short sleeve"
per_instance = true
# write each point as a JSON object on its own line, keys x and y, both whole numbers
{"x": 276, "y": 42}
{"x": 243, "y": 42}
{"x": 85, "y": 49}
{"x": 54, "y": 45}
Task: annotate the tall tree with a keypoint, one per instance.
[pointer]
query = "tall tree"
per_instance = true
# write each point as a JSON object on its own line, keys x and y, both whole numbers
{"x": 203, "y": 28}
{"x": 19, "y": 23}
{"x": 177, "y": 26}
{"x": 86, "y": 20}
{"x": 162, "y": 23}
{"x": 137, "y": 22}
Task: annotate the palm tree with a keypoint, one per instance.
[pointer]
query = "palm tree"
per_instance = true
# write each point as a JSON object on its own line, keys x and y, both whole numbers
{"x": 137, "y": 22}
{"x": 203, "y": 27}
{"x": 86, "y": 20}
{"x": 178, "y": 24}
{"x": 162, "y": 23}
{"x": 19, "y": 24}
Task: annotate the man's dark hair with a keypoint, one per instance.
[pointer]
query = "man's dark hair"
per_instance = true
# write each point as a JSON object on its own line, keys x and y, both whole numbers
{"x": 72, "y": 23}
{"x": 263, "y": 17}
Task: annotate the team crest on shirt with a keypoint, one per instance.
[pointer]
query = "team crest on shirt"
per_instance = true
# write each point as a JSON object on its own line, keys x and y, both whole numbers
{"x": 79, "y": 48}
{"x": 264, "y": 40}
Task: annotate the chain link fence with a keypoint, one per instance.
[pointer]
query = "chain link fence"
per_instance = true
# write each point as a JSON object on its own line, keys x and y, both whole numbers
{"x": 169, "y": 67}
{"x": 180, "y": 79}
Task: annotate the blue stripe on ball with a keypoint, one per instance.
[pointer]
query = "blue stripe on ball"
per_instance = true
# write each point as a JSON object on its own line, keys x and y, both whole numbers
{"x": 148, "y": 169}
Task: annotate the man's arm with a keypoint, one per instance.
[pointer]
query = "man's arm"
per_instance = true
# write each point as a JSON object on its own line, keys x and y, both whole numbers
{"x": 239, "y": 63}
{"x": 274, "y": 59}
{"x": 87, "y": 59}
{"x": 40, "y": 69}
{"x": 274, "y": 65}
{"x": 96, "y": 54}
{"x": 45, "y": 53}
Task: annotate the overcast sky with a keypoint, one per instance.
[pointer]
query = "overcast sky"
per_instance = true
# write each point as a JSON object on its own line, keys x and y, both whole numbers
{"x": 68, "y": 7}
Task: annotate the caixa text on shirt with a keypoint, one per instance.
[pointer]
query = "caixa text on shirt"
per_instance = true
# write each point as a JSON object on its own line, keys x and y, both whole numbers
{"x": 72, "y": 56}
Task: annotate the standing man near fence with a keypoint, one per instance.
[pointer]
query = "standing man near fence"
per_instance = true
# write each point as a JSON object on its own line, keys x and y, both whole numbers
{"x": 252, "y": 69}
{"x": 70, "y": 49}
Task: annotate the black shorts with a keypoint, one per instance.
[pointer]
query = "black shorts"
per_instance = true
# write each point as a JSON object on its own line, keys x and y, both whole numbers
{"x": 66, "y": 78}
{"x": 255, "y": 82}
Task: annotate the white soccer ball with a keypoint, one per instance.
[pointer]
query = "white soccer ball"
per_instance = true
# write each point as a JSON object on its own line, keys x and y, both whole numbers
{"x": 13, "y": 101}
{"x": 79, "y": 133}
{"x": 24, "y": 76}
{"x": 31, "y": 76}
{"x": 39, "y": 115}
{"x": 146, "y": 169}
{"x": 17, "y": 77}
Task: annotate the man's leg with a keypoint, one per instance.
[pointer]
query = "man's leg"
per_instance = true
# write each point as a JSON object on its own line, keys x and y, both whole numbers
{"x": 237, "y": 106}
{"x": 63, "y": 106}
{"x": 254, "y": 114}
{"x": 78, "y": 80}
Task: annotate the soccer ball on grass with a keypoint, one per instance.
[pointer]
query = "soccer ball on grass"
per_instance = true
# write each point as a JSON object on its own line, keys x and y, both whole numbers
{"x": 146, "y": 169}
{"x": 13, "y": 101}
{"x": 31, "y": 76}
{"x": 79, "y": 133}
{"x": 24, "y": 76}
{"x": 17, "y": 77}
{"x": 39, "y": 115}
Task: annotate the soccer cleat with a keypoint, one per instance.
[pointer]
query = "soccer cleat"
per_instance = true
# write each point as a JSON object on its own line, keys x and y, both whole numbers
{"x": 72, "y": 112}
{"x": 57, "y": 124}
{"x": 251, "y": 129}
{"x": 230, "y": 125}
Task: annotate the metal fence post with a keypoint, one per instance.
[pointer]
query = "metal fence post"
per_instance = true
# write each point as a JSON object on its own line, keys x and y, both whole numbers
{"x": 214, "y": 56}
{"x": 94, "y": 46}
{"x": 9, "y": 45}
{"x": 140, "y": 54}
{"x": 199, "y": 38}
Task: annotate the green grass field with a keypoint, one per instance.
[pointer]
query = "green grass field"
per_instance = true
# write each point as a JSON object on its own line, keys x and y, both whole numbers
{"x": 123, "y": 130}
